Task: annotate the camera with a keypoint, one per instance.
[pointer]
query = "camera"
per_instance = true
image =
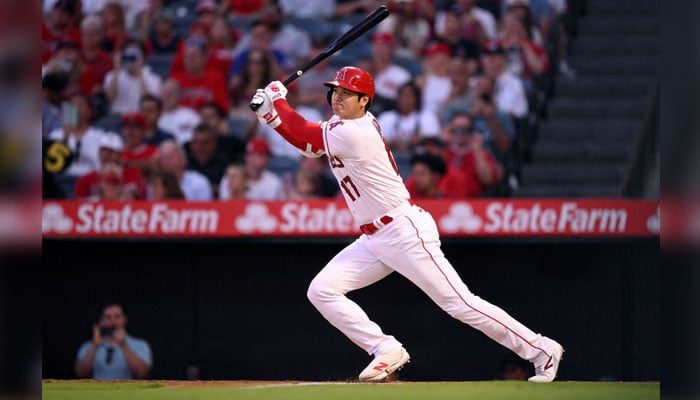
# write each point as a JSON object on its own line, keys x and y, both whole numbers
{"x": 130, "y": 55}
{"x": 107, "y": 330}
{"x": 128, "y": 58}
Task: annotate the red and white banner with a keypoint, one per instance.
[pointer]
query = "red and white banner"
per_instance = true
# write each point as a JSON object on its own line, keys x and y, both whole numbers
{"x": 467, "y": 218}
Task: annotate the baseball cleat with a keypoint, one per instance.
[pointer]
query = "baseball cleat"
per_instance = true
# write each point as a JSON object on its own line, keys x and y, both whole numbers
{"x": 547, "y": 371}
{"x": 384, "y": 365}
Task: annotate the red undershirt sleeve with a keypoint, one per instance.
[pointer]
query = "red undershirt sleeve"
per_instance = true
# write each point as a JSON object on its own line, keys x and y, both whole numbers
{"x": 296, "y": 130}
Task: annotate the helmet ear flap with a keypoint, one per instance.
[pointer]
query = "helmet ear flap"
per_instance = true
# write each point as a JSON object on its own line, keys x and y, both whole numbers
{"x": 329, "y": 95}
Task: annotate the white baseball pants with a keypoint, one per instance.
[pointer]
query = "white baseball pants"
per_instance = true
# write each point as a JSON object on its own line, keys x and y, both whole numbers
{"x": 410, "y": 245}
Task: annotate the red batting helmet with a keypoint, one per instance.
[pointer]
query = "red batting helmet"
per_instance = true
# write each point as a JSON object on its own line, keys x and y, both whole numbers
{"x": 355, "y": 79}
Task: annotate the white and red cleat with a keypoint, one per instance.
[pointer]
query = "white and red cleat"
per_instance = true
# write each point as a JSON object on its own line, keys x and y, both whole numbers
{"x": 385, "y": 364}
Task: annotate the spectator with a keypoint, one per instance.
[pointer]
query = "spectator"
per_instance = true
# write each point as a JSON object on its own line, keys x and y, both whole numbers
{"x": 410, "y": 29}
{"x": 52, "y": 87}
{"x": 111, "y": 185}
{"x": 435, "y": 83}
{"x": 113, "y": 354}
{"x": 164, "y": 186}
{"x": 163, "y": 37}
{"x": 204, "y": 157}
{"x": 115, "y": 25}
{"x": 461, "y": 93}
{"x": 466, "y": 152}
{"x": 295, "y": 43}
{"x": 176, "y": 118}
{"x": 526, "y": 58}
{"x": 257, "y": 70}
{"x": 229, "y": 143}
{"x": 427, "y": 171}
{"x": 260, "y": 38}
{"x": 130, "y": 79}
{"x": 61, "y": 25}
{"x": 198, "y": 83}
{"x": 235, "y": 183}
{"x": 305, "y": 185}
{"x": 509, "y": 95}
{"x": 81, "y": 138}
{"x": 478, "y": 24}
{"x": 327, "y": 185}
{"x": 262, "y": 184}
{"x": 223, "y": 42}
{"x": 498, "y": 129}
{"x": 404, "y": 127}
{"x": 138, "y": 153}
{"x": 172, "y": 159}
{"x": 388, "y": 76}
{"x": 111, "y": 148}
{"x": 558, "y": 38}
{"x": 451, "y": 184}
{"x": 152, "y": 108}
{"x": 460, "y": 47}
{"x": 67, "y": 60}
{"x": 206, "y": 11}
{"x": 92, "y": 33}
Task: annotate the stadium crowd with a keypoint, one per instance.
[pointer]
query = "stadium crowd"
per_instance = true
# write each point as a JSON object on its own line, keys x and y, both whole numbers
{"x": 149, "y": 99}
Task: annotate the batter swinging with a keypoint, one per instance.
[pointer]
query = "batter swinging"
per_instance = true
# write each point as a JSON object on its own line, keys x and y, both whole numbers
{"x": 397, "y": 235}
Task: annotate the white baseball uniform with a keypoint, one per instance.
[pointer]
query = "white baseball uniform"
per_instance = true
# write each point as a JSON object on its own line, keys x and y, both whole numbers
{"x": 397, "y": 236}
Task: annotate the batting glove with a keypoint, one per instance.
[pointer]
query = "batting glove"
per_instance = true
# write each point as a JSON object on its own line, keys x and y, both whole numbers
{"x": 276, "y": 90}
{"x": 265, "y": 112}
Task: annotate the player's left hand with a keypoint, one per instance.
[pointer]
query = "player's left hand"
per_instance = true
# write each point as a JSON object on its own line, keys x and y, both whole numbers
{"x": 265, "y": 112}
{"x": 275, "y": 90}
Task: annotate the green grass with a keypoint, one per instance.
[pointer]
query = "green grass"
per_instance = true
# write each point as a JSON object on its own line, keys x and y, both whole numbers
{"x": 491, "y": 390}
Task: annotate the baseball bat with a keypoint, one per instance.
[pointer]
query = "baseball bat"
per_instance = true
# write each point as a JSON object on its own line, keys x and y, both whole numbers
{"x": 353, "y": 33}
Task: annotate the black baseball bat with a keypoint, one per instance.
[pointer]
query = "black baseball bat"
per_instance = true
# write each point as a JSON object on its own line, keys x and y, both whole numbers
{"x": 353, "y": 33}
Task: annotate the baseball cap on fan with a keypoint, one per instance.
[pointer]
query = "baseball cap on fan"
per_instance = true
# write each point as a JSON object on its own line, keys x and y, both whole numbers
{"x": 437, "y": 47}
{"x": 383, "y": 38}
{"x": 112, "y": 141}
{"x": 134, "y": 118}
{"x": 257, "y": 145}
{"x": 204, "y": 6}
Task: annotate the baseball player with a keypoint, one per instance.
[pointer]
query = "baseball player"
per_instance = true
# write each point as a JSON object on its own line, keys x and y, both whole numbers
{"x": 396, "y": 235}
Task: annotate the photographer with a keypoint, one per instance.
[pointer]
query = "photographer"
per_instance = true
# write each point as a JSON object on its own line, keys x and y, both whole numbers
{"x": 112, "y": 354}
{"x": 130, "y": 79}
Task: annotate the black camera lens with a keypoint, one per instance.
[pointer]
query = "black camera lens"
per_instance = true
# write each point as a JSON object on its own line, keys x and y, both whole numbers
{"x": 128, "y": 58}
{"x": 107, "y": 330}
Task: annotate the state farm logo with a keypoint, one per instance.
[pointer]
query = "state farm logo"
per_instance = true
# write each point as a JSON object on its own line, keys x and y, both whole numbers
{"x": 256, "y": 217}
{"x": 54, "y": 220}
{"x": 461, "y": 218}
{"x": 567, "y": 218}
{"x": 295, "y": 217}
{"x": 157, "y": 218}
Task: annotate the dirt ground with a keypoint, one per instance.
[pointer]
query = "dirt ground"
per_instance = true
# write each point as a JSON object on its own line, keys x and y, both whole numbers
{"x": 193, "y": 383}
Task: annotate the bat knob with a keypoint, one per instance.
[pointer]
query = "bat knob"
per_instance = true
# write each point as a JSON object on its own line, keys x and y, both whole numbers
{"x": 256, "y": 103}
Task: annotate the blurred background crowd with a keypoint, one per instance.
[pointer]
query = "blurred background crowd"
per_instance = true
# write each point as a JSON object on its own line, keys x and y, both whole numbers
{"x": 149, "y": 99}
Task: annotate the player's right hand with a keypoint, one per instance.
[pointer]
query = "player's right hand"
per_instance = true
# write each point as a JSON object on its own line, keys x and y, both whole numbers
{"x": 275, "y": 90}
{"x": 265, "y": 110}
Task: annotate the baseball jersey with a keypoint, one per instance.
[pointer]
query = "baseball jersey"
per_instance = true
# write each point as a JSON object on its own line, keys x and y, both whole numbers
{"x": 359, "y": 159}
{"x": 363, "y": 166}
